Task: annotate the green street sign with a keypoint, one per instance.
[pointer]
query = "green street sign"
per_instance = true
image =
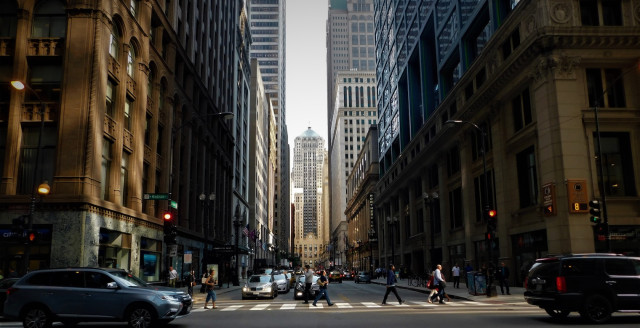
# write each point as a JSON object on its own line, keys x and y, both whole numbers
{"x": 164, "y": 196}
{"x": 173, "y": 204}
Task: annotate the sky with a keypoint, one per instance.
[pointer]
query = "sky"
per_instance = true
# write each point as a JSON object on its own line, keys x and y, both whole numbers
{"x": 306, "y": 67}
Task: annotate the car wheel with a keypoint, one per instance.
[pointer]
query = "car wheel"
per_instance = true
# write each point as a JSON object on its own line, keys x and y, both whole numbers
{"x": 597, "y": 309}
{"x": 555, "y": 313}
{"x": 36, "y": 317}
{"x": 140, "y": 317}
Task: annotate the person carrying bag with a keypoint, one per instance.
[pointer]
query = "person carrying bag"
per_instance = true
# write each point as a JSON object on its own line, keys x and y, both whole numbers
{"x": 211, "y": 294}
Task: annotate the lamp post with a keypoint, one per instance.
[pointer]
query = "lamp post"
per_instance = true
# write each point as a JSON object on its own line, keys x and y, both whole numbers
{"x": 392, "y": 221}
{"x": 206, "y": 202}
{"x": 42, "y": 189}
{"x": 237, "y": 223}
{"x": 485, "y": 194}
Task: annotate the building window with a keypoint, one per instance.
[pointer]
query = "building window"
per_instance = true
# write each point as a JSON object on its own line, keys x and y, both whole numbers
{"x": 124, "y": 178}
{"x": 455, "y": 208}
{"x": 601, "y": 12}
{"x": 111, "y": 98}
{"x": 128, "y": 105}
{"x": 28, "y": 152}
{"x": 480, "y": 189}
{"x": 131, "y": 59}
{"x": 453, "y": 161}
{"x": 49, "y": 20}
{"x": 521, "y": 109}
{"x": 147, "y": 129}
{"x": 433, "y": 176}
{"x": 114, "y": 42}
{"x": 105, "y": 173}
{"x": 617, "y": 158}
{"x": 133, "y": 7}
{"x": 605, "y": 87}
{"x": 8, "y": 19}
{"x": 527, "y": 177}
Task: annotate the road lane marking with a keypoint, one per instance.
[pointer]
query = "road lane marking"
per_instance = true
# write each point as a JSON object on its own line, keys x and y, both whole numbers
{"x": 344, "y": 305}
{"x": 289, "y": 306}
{"x": 370, "y": 304}
{"x": 424, "y": 304}
{"x": 259, "y": 307}
{"x": 232, "y": 308}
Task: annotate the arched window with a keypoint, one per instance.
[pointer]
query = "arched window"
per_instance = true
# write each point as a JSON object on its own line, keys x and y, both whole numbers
{"x": 49, "y": 20}
{"x": 8, "y": 22}
{"x": 131, "y": 60}
{"x": 114, "y": 41}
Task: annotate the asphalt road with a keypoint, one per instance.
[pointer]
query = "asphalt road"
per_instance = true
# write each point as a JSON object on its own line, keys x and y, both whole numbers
{"x": 358, "y": 305}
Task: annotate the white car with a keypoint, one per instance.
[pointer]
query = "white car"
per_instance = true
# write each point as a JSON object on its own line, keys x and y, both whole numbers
{"x": 260, "y": 285}
{"x": 282, "y": 282}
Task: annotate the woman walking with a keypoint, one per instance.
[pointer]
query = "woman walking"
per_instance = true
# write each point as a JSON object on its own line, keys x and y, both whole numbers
{"x": 211, "y": 294}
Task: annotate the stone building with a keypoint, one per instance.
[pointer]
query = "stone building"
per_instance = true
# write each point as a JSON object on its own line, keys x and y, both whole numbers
{"x": 515, "y": 85}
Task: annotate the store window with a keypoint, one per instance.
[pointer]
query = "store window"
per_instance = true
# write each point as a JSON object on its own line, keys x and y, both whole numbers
{"x": 114, "y": 250}
{"x": 150, "y": 258}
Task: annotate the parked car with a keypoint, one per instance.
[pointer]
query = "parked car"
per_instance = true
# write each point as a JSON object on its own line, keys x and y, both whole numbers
{"x": 594, "y": 285}
{"x": 260, "y": 285}
{"x": 282, "y": 282}
{"x": 348, "y": 275}
{"x": 300, "y": 285}
{"x": 335, "y": 276}
{"x": 292, "y": 279}
{"x": 91, "y": 294}
{"x": 4, "y": 285}
{"x": 363, "y": 276}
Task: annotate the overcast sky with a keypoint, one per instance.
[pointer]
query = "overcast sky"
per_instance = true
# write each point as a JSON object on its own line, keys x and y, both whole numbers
{"x": 306, "y": 67}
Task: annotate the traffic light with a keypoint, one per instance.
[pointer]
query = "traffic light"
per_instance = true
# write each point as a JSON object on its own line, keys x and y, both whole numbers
{"x": 31, "y": 237}
{"x": 594, "y": 210}
{"x": 170, "y": 229}
{"x": 491, "y": 216}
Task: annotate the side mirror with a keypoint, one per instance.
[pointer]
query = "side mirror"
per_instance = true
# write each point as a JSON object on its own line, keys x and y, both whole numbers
{"x": 112, "y": 285}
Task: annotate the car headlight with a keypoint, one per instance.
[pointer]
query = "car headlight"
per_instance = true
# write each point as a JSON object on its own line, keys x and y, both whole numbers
{"x": 268, "y": 289}
{"x": 245, "y": 289}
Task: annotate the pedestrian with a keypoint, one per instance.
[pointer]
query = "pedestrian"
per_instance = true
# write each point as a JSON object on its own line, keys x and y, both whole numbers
{"x": 502, "y": 274}
{"x": 322, "y": 283}
{"x": 439, "y": 282}
{"x": 211, "y": 293}
{"x": 391, "y": 285}
{"x": 191, "y": 279}
{"x": 308, "y": 281}
{"x": 456, "y": 275}
{"x": 173, "y": 276}
{"x": 432, "y": 286}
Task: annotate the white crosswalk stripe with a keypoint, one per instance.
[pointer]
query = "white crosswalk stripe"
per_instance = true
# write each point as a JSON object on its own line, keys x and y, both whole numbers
{"x": 259, "y": 307}
{"x": 318, "y": 306}
{"x": 232, "y": 308}
{"x": 344, "y": 305}
{"x": 424, "y": 304}
{"x": 370, "y": 304}
{"x": 289, "y": 306}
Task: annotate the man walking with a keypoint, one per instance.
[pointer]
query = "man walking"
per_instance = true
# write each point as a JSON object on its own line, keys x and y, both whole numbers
{"x": 173, "y": 276}
{"x": 308, "y": 281}
{"x": 503, "y": 277}
{"x": 455, "y": 271}
{"x": 391, "y": 285}
{"x": 322, "y": 282}
{"x": 439, "y": 281}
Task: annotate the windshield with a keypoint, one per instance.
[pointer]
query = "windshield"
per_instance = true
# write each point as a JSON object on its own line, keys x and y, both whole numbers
{"x": 279, "y": 277}
{"x": 128, "y": 279}
{"x": 260, "y": 279}
{"x": 302, "y": 280}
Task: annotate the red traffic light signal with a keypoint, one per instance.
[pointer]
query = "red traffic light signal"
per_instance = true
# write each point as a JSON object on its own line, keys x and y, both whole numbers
{"x": 492, "y": 213}
{"x": 31, "y": 236}
{"x": 167, "y": 216}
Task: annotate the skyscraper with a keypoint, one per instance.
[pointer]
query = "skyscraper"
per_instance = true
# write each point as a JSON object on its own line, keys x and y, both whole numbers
{"x": 268, "y": 26}
{"x": 307, "y": 176}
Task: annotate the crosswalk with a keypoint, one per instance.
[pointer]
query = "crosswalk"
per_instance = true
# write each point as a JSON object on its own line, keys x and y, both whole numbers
{"x": 290, "y": 306}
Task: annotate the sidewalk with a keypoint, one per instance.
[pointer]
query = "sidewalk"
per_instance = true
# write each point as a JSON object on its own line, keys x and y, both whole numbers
{"x": 462, "y": 293}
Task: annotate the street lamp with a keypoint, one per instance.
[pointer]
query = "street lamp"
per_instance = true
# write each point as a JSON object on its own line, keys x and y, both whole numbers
{"x": 485, "y": 194}
{"x": 206, "y": 202}
{"x": 42, "y": 189}
{"x": 237, "y": 223}
{"x": 392, "y": 221}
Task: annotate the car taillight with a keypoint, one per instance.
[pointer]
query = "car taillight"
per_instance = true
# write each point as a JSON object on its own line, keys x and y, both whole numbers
{"x": 11, "y": 290}
{"x": 526, "y": 283}
{"x": 561, "y": 284}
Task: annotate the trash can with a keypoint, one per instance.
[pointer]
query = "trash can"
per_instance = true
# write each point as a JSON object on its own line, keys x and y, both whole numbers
{"x": 476, "y": 283}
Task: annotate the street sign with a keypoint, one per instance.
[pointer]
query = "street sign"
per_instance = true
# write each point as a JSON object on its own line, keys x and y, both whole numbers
{"x": 578, "y": 197}
{"x": 173, "y": 204}
{"x": 188, "y": 257}
{"x": 227, "y": 249}
{"x": 173, "y": 250}
{"x": 164, "y": 196}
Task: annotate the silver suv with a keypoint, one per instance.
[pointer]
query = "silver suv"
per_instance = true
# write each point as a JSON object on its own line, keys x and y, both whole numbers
{"x": 73, "y": 295}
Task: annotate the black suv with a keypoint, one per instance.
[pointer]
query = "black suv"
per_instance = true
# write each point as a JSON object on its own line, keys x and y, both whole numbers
{"x": 595, "y": 285}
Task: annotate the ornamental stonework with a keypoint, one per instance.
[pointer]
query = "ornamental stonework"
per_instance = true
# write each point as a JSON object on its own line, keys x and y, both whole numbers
{"x": 561, "y": 12}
